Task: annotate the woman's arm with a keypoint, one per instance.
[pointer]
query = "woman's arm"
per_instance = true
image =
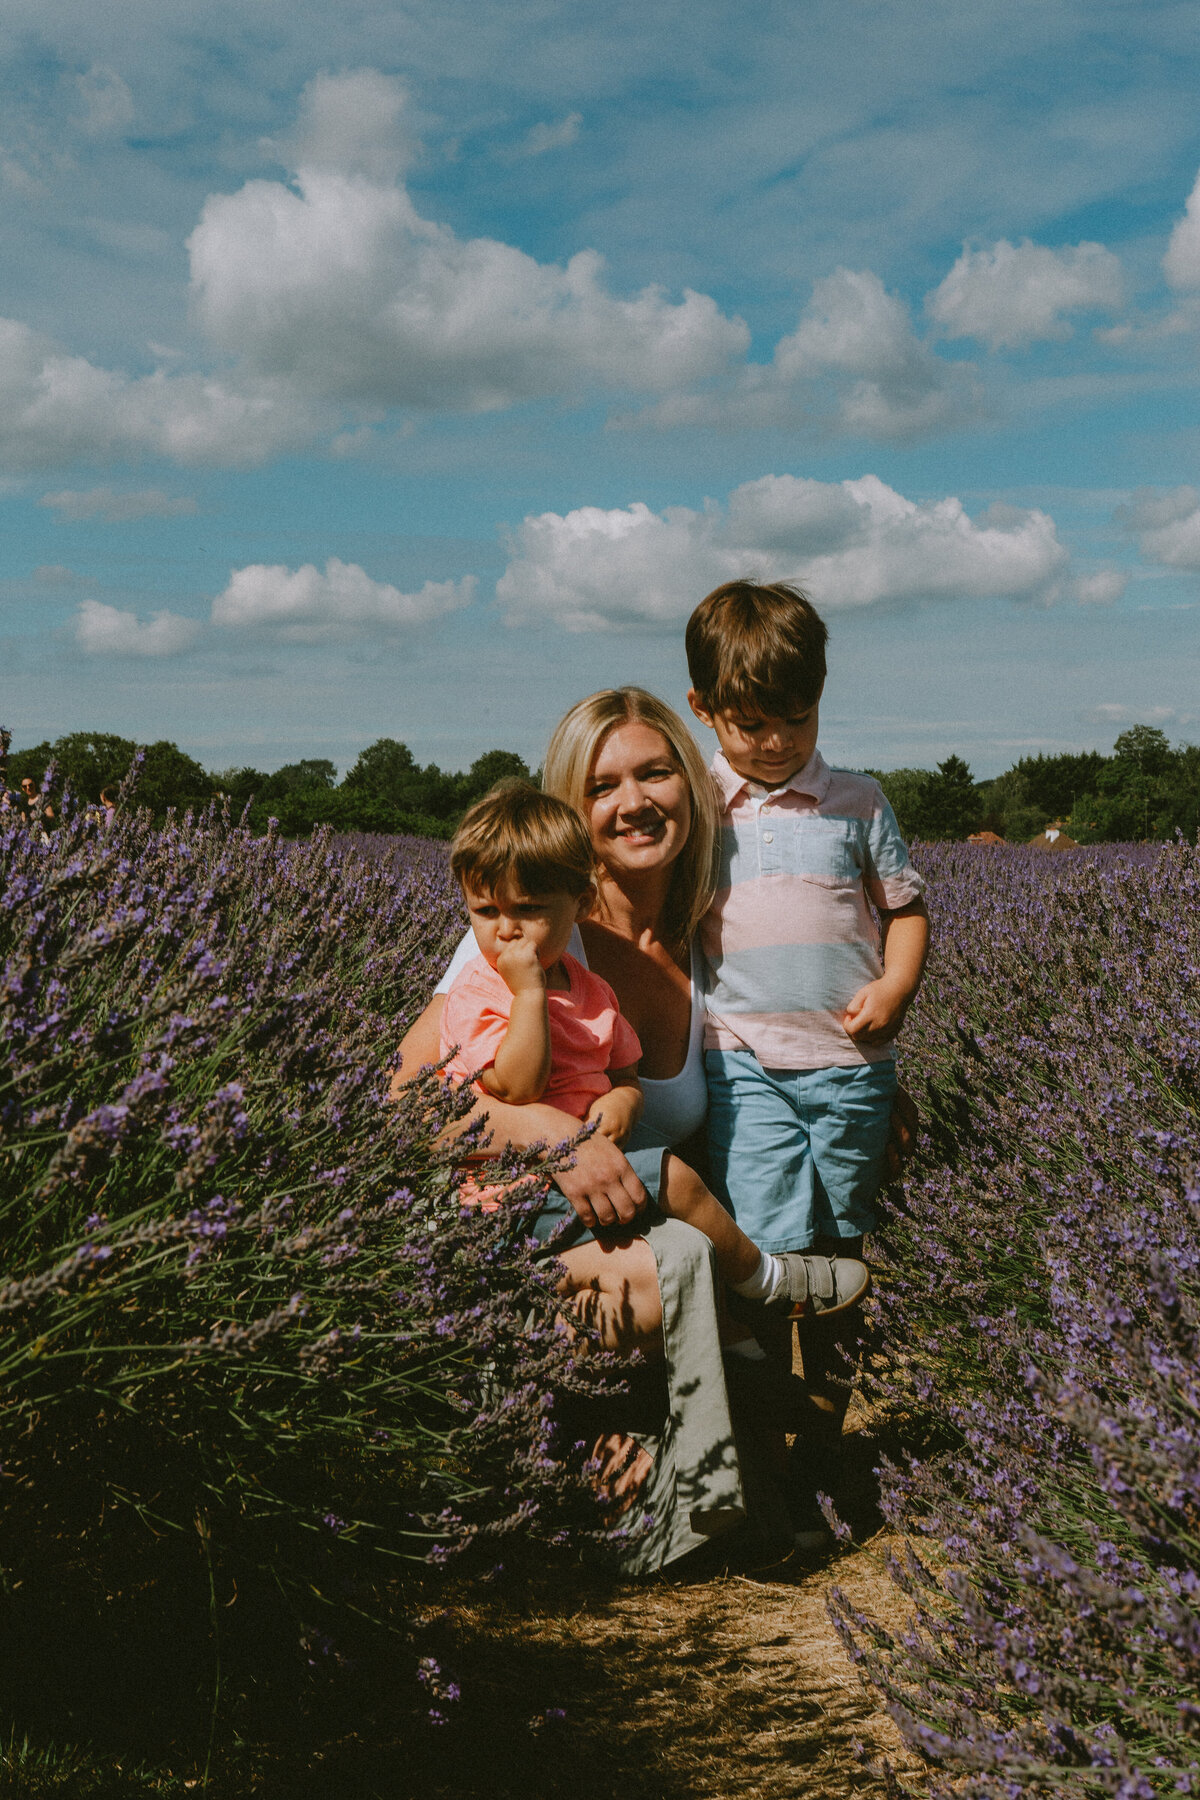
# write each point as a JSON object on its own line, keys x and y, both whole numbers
{"x": 601, "y": 1186}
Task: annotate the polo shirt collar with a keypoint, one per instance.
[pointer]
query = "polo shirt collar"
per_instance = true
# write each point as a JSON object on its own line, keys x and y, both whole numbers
{"x": 812, "y": 779}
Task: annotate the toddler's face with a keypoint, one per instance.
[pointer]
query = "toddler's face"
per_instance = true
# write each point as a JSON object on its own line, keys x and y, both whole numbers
{"x": 510, "y": 916}
{"x": 769, "y": 750}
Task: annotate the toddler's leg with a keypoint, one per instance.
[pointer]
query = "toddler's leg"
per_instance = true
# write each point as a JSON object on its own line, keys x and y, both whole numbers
{"x": 794, "y": 1282}
{"x": 682, "y": 1195}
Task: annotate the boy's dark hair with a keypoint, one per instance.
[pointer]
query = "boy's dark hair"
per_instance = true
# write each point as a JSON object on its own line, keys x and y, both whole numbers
{"x": 756, "y": 648}
{"x": 518, "y": 837}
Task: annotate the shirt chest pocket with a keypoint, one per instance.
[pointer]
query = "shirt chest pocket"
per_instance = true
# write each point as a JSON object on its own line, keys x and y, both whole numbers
{"x": 825, "y": 851}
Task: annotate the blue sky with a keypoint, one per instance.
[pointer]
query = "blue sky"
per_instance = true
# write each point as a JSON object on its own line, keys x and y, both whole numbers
{"x": 411, "y": 370}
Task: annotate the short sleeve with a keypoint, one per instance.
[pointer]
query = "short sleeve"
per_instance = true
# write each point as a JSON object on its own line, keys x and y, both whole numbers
{"x": 458, "y": 962}
{"x": 889, "y": 878}
{"x": 476, "y": 1020}
{"x": 626, "y": 1045}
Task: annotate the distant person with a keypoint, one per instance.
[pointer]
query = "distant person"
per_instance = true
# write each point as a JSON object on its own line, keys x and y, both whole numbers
{"x": 39, "y": 813}
{"x": 108, "y": 800}
{"x": 805, "y": 993}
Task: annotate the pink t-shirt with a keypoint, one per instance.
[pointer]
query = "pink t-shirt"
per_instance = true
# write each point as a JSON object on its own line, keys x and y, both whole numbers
{"x": 588, "y": 1036}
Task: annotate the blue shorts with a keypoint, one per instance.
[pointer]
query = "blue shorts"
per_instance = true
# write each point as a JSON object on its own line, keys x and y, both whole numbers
{"x": 798, "y": 1154}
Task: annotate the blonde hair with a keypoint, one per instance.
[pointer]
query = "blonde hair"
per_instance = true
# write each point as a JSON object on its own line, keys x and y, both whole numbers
{"x": 518, "y": 836}
{"x": 569, "y": 759}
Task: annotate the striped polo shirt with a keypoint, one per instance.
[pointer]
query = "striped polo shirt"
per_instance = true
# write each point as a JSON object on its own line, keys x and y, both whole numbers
{"x": 790, "y": 936}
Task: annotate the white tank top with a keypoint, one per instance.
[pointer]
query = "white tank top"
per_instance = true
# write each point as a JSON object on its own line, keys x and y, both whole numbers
{"x": 674, "y": 1108}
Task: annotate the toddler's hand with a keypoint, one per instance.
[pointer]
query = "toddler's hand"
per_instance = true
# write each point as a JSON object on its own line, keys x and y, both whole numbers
{"x": 616, "y": 1113}
{"x": 518, "y": 967}
{"x": 876, "y": 1013}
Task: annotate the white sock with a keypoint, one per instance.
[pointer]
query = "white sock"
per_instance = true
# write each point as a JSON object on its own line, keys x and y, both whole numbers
{"x": 768, "y": 1279}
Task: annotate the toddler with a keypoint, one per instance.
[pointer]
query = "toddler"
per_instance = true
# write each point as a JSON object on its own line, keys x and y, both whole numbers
{"x": 528, "y": 1021}
{"x": 805, "y": 992}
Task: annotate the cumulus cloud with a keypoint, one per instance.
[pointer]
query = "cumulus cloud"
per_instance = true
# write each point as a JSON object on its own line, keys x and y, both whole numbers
{"x": 1167, "y": 526}
{"x": 851, "y": 543}
{"x": 55, "y": 408}
{"x": 1103, "y": 587}
{"x": 116, "y": 508}
{"x": 1181, "y": 264}
{"x": 853, "y": 363}
{"x": 338, "y": 286}
{"x": 106, "y": 631}
{"x": 1010, "y": 295}
{"x": 306, "y": 606}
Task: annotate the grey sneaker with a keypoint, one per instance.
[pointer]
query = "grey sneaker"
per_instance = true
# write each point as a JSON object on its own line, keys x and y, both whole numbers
{"x": 820, "y": 1284}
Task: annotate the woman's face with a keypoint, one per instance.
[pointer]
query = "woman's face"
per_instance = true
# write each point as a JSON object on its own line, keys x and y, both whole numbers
{"x": 637, "y": 804}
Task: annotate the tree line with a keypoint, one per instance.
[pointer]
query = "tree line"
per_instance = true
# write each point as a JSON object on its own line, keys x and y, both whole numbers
{"x": 1144, "y": 790}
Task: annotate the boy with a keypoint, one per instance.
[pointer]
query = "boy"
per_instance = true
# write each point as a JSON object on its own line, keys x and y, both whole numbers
{"x": 803, "y": 1010}
{"x": 530, "y": 1022}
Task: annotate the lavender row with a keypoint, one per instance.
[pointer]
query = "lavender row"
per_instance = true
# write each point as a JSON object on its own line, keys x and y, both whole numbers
{"x": 1038, "y": 1332}
{"x": 240, "y": 1302}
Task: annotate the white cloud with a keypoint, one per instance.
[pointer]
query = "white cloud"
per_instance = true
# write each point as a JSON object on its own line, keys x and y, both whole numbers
{"x": 305, "y": 606}
{"x": 853, "y": 363}
{"x": 107, "y": 102}
{"x": 1111, "y": 712}
{"x": 57, "y": 575}
{"x": 57, "y": 408}
{"x": 106, "y": 631}
{"x": 1103, "y": 587}
{"x": 338, "y": 286}
{"x": 851, "y": 543}
{"x": 1181, "y": 264}
{"x": 1010, "y": 295}
{"x": 116, "y": 508}
{"x": 543, "y": 137}
{"x": 1167, "y": 526}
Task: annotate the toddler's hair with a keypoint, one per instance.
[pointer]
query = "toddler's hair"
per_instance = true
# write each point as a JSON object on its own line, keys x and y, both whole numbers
{"x": 518, "y": 837}
{"x": 756, "y": 648}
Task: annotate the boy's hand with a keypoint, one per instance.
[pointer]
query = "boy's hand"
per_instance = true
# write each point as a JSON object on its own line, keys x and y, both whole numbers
{"x": 518, "y": 967}
{"x": 616, "y": 1113}
{"x": 876, "y": 1013}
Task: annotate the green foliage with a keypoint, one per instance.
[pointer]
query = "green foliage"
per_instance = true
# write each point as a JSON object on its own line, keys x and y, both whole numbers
{"x": 933, "y": 804}
{"x": 905, "y": 790}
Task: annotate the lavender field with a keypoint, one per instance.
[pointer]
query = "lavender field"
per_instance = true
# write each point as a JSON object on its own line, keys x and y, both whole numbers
{"x": 261, "y": 1372}
{"x": 1038, "y": 1330}
{"x": 263, "y": 1378}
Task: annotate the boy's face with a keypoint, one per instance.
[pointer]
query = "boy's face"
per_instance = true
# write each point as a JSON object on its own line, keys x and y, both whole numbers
{"x": 510, "y": 916}
{"x": 769, "y": 750}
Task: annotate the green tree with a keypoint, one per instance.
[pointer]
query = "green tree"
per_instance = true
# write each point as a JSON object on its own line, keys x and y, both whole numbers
{"x": 488, "y": 769}
{"x": 905, "y": 791}
{"x": 299, "y": 777}
{"x": 950, "y": 805}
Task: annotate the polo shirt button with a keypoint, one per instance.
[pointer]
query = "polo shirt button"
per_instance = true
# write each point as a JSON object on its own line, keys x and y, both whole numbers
{"x": 768, "y": 837}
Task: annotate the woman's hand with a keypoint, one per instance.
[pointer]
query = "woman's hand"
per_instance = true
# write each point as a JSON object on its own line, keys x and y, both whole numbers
{"x": 602, "y": 1186}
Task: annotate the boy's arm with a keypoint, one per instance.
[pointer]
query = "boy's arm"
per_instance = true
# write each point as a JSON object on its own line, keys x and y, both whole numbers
{"x": 619, "y": 1110}
{"x": 876, "y": 1013}
{"x": 520, "y": 1068}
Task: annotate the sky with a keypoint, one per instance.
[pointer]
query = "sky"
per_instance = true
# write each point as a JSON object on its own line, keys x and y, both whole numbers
{"x": 412, "y": 370}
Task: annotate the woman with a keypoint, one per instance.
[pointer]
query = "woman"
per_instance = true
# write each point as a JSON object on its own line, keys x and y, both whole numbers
{"x": 631, "y": 768}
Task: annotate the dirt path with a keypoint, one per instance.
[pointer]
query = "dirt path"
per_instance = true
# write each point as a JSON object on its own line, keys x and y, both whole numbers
{"x": 732, "y": 1686}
